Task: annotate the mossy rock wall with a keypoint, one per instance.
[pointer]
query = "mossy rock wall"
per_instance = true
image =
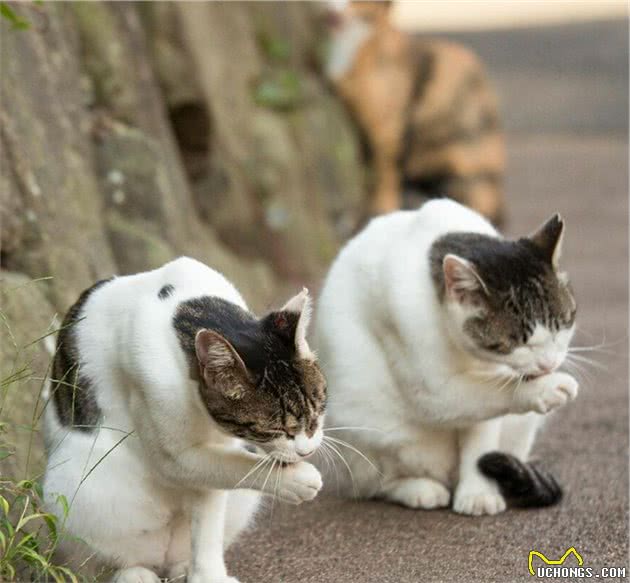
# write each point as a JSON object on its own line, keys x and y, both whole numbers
{"x": 135, "y": 133}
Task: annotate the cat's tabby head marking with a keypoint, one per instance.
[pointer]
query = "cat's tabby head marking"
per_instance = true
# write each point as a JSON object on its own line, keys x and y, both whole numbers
{"x": 276, "y": 397}
{"x": 506, "y": 301}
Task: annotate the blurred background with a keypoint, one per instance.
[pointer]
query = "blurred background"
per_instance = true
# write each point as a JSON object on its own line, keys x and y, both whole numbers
{"x": 258, "y": 137}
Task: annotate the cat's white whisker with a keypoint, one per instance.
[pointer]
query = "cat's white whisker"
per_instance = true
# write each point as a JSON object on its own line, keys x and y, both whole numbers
{"x": 252, "y": 470}
{"x": 273, "y": 464}
{"x": 340, "y": 455}
{"x": 332, "y": 450}
{"x": 275, "y": 491}
{"x": 332, "y": 456}
{"x": 586, "y": 360}
{"x": 579, "y": 369}
{"x": 581, "y": 349}
{"x": 354, "y": 449}
{"x": 507, "y": 383}
{"x": 330, "y": 462}
{"x": 353, "y": 428}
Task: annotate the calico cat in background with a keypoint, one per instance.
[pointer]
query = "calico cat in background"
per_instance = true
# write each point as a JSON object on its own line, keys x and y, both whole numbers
{"x": 160, "y": 381}
{"x": 441, "y": 343}
{"x": 426, "y": 108}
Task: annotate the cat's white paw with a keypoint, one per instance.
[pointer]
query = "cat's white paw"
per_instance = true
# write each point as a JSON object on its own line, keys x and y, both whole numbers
{"x": 209, "y": 578}
{"x": 298, "y": 483}
{"x": 419, "y": 493}
{"x": 483, "y": 499}
{"x": 556, "y": 390}
{"x": 202, "y": 578}
{"x": 135, "y": 575}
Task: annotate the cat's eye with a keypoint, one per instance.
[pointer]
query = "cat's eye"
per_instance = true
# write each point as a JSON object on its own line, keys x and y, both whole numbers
{"x": 494, "y": 347}
{"x": 291, "y": 427}
{"x": 501, "y": 347}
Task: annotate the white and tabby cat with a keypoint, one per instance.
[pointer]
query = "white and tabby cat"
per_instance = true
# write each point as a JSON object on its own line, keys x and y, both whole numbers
{"x": 159, "y": 381}
{"x": 441, "y": 342}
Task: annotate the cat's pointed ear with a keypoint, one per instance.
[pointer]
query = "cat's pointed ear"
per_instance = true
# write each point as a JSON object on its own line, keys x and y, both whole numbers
{"x": 297, "y": 315}
{"x": 461, "y": 280}
{"x": 221, "y": 366}
{"x": 548, "y": 238}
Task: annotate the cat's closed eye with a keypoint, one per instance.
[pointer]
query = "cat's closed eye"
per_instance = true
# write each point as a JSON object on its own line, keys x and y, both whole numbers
{"x": 502, "y": 347}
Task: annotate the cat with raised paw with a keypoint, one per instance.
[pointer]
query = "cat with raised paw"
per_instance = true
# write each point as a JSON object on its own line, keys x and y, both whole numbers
{"x": 442, "y": 342}
{"x": 172, "y": 410}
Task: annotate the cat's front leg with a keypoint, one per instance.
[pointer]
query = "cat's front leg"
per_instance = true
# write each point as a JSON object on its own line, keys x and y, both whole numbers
{"x": 425, "y": 493}
{"x": 545, "y": 393}
{"x": 208, "y": 524}
{"x": 475, "y": 494}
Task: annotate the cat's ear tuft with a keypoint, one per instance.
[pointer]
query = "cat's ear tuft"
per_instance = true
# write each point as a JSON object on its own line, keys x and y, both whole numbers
{"x": 461, "y": 280}
{"x": 301, "y": 306}
{"x": 548, "y": 238}
{"x": 222, "y": 367}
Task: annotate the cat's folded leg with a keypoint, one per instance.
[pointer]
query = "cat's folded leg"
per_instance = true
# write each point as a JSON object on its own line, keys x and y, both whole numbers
{"x": 223, "y": 467}
{"x": 208, "y": 520}
{"x": 475, "y": 494}
{"x": 545, "y": 393}
{"x": 417, "y": 493}
{"x": 229, "y": 468}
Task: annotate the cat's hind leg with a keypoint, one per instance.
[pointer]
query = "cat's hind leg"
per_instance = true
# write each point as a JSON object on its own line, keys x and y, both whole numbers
{"x": 417, "y": 472}
{"x": 417, "y": 493}
{"x": 122, "y": 518}
{"x": 135, "y": 575}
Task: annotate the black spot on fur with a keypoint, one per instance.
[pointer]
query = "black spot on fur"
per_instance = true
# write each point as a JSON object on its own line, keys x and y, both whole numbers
{"x": 72, "y": 390}
{"x": 166, "y": 291}
{"x": 524, "y": 485}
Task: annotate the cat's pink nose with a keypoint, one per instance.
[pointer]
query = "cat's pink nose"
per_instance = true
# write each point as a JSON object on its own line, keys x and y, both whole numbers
{"x": 304, "y": 446}
{"x": 547, "y": 365}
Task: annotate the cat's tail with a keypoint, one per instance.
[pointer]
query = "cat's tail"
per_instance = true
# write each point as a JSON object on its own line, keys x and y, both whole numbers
{"x": 523, "y": 484}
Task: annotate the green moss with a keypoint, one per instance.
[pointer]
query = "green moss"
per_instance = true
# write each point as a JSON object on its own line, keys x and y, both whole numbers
{"x": 275, "y": 48}
{"x": 279, "y": 89}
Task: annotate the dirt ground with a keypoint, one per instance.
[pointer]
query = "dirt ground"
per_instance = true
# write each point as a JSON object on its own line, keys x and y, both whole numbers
{"x": 564, "y": 92}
